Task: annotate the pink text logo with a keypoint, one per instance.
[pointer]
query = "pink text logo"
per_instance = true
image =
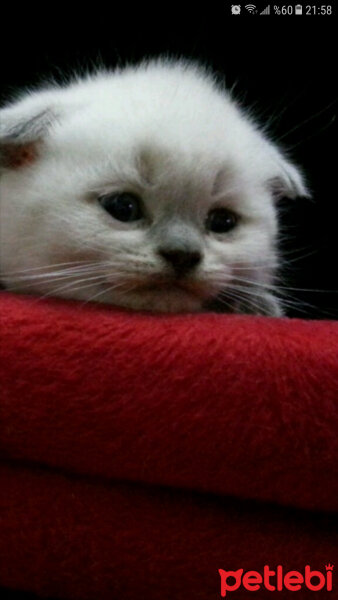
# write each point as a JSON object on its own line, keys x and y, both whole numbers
{"x": 277, "y": 580}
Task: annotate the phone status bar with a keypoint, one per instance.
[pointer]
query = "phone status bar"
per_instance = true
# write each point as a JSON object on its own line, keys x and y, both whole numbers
{"x": 324, "y": 10}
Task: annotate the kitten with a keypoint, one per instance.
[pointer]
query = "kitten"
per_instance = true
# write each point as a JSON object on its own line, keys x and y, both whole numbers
{"x": 146, "y": 187}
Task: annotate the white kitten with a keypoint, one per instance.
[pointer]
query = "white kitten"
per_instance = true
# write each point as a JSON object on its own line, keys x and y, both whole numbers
{"x": 146, "y": 187}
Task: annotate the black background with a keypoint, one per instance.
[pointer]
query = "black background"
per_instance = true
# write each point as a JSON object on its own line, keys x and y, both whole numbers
{"x": 283, "y": 67}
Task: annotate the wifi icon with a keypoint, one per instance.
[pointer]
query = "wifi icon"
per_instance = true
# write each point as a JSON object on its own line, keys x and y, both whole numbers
{"x": 251, "y": 8}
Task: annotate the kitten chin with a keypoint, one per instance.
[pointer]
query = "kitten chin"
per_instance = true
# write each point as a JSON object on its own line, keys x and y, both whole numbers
{"x": 160, "y": 295}
{"x": 169, "y": 301}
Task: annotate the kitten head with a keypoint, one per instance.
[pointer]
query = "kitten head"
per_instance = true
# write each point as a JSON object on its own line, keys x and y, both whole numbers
{"x": 147, "y": 188}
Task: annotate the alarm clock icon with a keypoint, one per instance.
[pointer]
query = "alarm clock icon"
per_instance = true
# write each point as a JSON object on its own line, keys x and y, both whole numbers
{"x": 235, "y": 9}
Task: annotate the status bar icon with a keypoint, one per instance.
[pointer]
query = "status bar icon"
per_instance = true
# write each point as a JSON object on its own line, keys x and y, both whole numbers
{"x": 236, "y": 9}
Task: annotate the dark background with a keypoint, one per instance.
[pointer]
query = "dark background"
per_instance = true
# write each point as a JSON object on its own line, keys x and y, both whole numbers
{"x": 283, "y": 67}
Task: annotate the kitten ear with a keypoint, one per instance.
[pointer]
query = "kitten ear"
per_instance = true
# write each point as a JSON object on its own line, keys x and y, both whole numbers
{"x": 21, "y": 132}
{"x": 289, "y": 182}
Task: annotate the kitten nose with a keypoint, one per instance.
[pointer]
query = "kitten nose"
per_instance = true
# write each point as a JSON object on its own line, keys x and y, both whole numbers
{"x": 183, "y": 261}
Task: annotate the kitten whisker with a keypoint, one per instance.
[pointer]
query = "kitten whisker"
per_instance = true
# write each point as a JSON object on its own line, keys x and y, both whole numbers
{"x": 308, "y": 120}
{"x": 249, "y": 298}
{"x": 282, "y": 287}
{"x": 31, "y": 269}
{"x": 56, "y": 276}
{"x": 55, "y": 292}
{"x": 72, "y": 285}
{"x": 110, "y": 289}
{"x": 290, "y": 302}
{"x": 249, "y": 302}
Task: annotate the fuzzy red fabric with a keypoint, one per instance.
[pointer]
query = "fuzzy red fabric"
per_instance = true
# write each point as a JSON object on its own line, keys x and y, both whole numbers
{"x": 140, "y": 454}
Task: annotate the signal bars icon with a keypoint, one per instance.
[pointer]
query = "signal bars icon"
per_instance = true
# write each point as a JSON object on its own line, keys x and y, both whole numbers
{"x": 266, "y": 10}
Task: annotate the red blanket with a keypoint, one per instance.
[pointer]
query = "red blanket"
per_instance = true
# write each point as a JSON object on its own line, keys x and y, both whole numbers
{"x": 141, "y": 454}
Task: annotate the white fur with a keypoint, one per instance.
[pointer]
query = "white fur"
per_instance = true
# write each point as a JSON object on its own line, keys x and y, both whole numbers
{"x": 167, "y": 132}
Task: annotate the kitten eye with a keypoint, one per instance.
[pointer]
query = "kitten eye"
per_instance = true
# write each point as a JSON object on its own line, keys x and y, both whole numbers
{"x": 221, "y": 220}
{"x": 122, "y": 206}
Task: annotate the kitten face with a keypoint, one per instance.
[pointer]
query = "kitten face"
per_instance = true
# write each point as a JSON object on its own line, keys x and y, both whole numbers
{"x": 146, "y": 188}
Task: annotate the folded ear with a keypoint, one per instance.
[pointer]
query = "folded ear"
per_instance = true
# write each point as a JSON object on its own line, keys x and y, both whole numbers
{"x": 22, "y": 129}
{"x": 289, "y": 181}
